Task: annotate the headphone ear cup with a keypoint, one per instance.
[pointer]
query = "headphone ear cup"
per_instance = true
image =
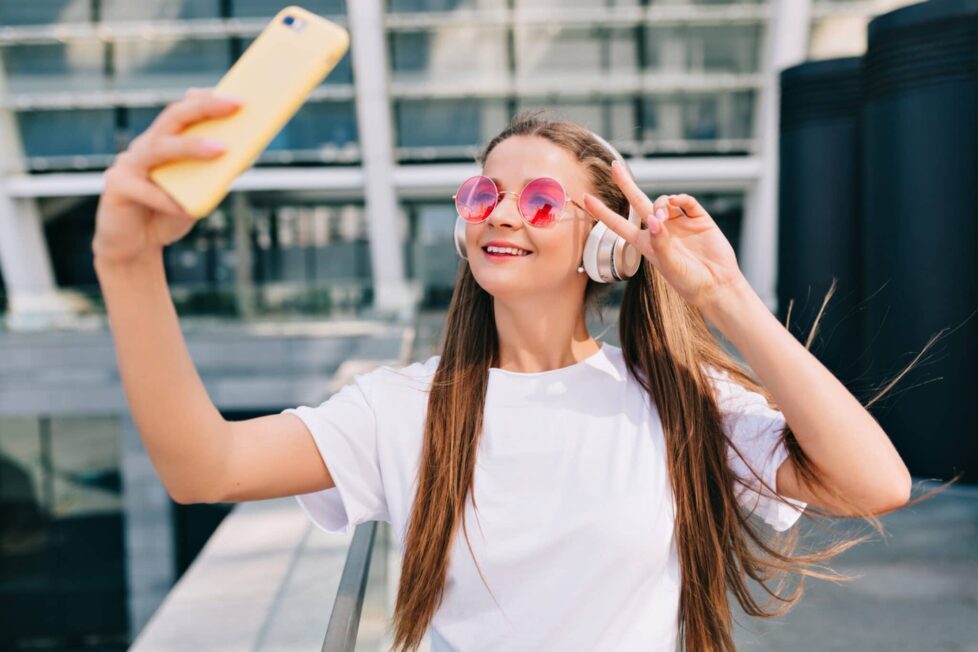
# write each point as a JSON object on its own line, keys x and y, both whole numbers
{"x": 460, "y": 238}
{"x": 591, "y": 264}
{"x": 627, "y": 258}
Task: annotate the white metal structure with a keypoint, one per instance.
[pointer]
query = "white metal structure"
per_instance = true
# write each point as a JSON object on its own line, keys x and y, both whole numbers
{"x": 35, "y": 301}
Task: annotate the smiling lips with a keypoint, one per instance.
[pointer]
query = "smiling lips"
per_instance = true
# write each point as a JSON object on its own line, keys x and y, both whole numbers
{"x": 494, "y": 250}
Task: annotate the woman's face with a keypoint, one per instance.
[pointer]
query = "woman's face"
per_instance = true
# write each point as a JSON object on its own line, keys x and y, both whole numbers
{"x": 555, "y": 250}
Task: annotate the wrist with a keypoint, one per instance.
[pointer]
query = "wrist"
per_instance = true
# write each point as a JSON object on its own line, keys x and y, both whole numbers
{"x": 733, "y": 301}
{"x": 146, "y": 261}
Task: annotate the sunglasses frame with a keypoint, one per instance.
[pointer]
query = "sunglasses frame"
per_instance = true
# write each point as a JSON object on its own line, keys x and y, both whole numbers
{"x": 567, "y": 198}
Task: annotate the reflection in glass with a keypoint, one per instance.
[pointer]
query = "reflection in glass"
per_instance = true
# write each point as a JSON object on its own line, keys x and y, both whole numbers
{"x": 703, "y": 48}
{"x": 443, "y": 5}
{"x": 38, "y": 67}
{"x": 127, "y": 10}
{"x": 317, "y": 124}
{"x": 545, "y": 49}
{"x": 710, "y": 116}
{"x": 613, "y": 119}
{"x": 268, "y": 8}
{"x": 170, "y": 63}
{"x": 67, "y": 132}
{"x": 35, "y": 12}
{"x": 61, "y": 538}
{"x": 434, "y": 55}
{"x": 444, "y": 123}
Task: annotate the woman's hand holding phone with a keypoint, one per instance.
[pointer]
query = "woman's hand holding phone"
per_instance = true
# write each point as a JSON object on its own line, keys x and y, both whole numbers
{"x": 135, "y": 218}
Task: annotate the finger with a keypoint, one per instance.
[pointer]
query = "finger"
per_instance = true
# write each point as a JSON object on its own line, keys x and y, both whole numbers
{"x": 688, "y": 205}
{"x": 152, "y": 152}
{"x": 199, "y": 104}
{"x": 664, "y": 253}
{"x": 664, "y": 210}
{"x": 143, "y": 191}
{"x": 660, "y": 208}
{"x": 630, "y": 232}
{"x": 638, "y": 199}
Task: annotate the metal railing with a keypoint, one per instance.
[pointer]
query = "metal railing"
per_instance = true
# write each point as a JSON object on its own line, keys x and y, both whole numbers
{"x": 344, "y": 621}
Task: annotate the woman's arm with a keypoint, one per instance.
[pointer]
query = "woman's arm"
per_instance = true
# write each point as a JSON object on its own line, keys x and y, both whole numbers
{"x": 184, "y": 434}
{"x": 836, "y": 432}
{"x": 199, "y": 456}
{"x": 849, "y": 448}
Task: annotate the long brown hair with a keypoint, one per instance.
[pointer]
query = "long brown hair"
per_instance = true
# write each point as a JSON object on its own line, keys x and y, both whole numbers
{"x": 662, "y": 338}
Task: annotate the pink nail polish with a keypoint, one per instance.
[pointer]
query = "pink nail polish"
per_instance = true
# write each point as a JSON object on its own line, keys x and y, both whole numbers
{"x": 213, "y": 146}
{"x": 654, "y": 225}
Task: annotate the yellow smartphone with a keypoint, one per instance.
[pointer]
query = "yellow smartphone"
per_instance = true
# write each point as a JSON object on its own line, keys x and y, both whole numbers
{"x": 272, "y": 78}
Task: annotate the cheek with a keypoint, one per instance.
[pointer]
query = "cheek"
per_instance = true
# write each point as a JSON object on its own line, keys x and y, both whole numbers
{"x": 563, "y": 247}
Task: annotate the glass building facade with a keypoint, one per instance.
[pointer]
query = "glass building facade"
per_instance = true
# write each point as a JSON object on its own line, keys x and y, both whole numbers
{"x": 83, "y": 78}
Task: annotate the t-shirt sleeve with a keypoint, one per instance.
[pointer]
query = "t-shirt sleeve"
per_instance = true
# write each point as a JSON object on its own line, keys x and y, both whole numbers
{"x": 755, "y": 428}
{"x": 344, "y": 429}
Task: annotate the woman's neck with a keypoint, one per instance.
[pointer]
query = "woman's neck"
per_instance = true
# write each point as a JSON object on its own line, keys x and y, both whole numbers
{"x": 542, "y": 336}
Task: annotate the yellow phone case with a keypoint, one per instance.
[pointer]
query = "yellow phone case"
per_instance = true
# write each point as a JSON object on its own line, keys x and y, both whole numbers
{"x": 272, "y": 78}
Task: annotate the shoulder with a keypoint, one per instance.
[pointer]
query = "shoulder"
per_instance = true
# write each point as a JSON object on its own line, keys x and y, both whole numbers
{"x": 385, "y": 379}
{"x": 613, "y": 358}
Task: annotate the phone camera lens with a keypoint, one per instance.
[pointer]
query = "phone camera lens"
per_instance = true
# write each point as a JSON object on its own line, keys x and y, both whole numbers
{"x": 288, "y": 20}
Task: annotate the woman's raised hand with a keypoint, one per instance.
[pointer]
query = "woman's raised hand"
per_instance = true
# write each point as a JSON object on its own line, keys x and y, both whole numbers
{"x": 134, "y": 216}
{"x": 681, "y": 240}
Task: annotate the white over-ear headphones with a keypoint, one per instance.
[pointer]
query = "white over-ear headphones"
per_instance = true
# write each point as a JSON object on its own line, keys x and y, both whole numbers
{"x": 607, "y": 256}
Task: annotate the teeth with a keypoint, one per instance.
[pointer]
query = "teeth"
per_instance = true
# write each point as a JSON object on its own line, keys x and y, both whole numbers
{"x": 506, "y": 250}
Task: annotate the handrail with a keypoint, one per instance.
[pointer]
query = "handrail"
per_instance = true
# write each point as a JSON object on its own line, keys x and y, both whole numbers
{"x": 344, "y": 621}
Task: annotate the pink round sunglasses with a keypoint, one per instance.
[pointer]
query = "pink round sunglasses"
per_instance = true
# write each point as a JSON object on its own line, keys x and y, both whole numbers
{"x": 540, "y": 202}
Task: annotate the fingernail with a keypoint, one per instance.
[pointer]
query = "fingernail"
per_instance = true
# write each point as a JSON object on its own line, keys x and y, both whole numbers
{"x": 654, "y": 225}
{"x": 213, "y": 146}
{"x": 228, "y": 99}
{"x": 661, "y": 214}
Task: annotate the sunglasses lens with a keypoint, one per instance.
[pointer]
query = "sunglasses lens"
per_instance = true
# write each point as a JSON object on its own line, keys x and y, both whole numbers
{"x": 476, "y": 198}
{"x": 542, "y": 201}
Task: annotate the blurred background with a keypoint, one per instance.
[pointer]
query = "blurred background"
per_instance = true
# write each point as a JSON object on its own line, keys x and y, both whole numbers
{"x": 834, "y": 141}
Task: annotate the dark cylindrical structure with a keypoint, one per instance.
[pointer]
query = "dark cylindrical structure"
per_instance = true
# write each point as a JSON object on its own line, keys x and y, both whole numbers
{"x": 819, "y": 227}
{"x": 920, "y": 197}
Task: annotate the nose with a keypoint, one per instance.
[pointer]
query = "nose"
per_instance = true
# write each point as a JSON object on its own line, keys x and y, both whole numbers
{"x": 506, "y": 212}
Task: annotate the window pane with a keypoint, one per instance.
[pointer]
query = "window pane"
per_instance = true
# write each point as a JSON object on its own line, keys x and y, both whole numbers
{"x": 171, "y": 63}
{"x": 723, "y": 115}
{"x": 77, "y": 65}
{"x": 430, "y": 123}
{"x": 431, "y": 249}
{"x": 571, "y": 4}
{"x": 433, "y": 56}
{"x": 61, "y": 534}
{"x": 67, "y": 132}
{"x": 443, "y": 5}
{"x": 21, "y": 12}
{"x": 120, "y": 10}
{"x": 85, "y": 461}
{"x": 317, "y": 124}
{"x": 268, "y": 8}
{"x": 612, "y": 119}
{"x": 703, "y": 48}
{"x": 547, "y": 49}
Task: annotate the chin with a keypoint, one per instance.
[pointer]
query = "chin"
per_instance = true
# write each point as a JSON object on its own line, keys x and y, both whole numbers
{"x": 504, "y": 285}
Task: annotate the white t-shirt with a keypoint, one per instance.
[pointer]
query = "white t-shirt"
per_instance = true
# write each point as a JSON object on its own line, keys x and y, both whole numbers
{"x": 574, "y": 529}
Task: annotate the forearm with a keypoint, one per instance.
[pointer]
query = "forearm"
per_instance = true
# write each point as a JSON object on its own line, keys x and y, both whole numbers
{"x": 181, "y": 428}
{"x": 836, "y": 432}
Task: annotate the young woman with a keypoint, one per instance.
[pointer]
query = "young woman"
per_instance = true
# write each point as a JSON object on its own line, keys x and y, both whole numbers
{"x": 548, "y": 491}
